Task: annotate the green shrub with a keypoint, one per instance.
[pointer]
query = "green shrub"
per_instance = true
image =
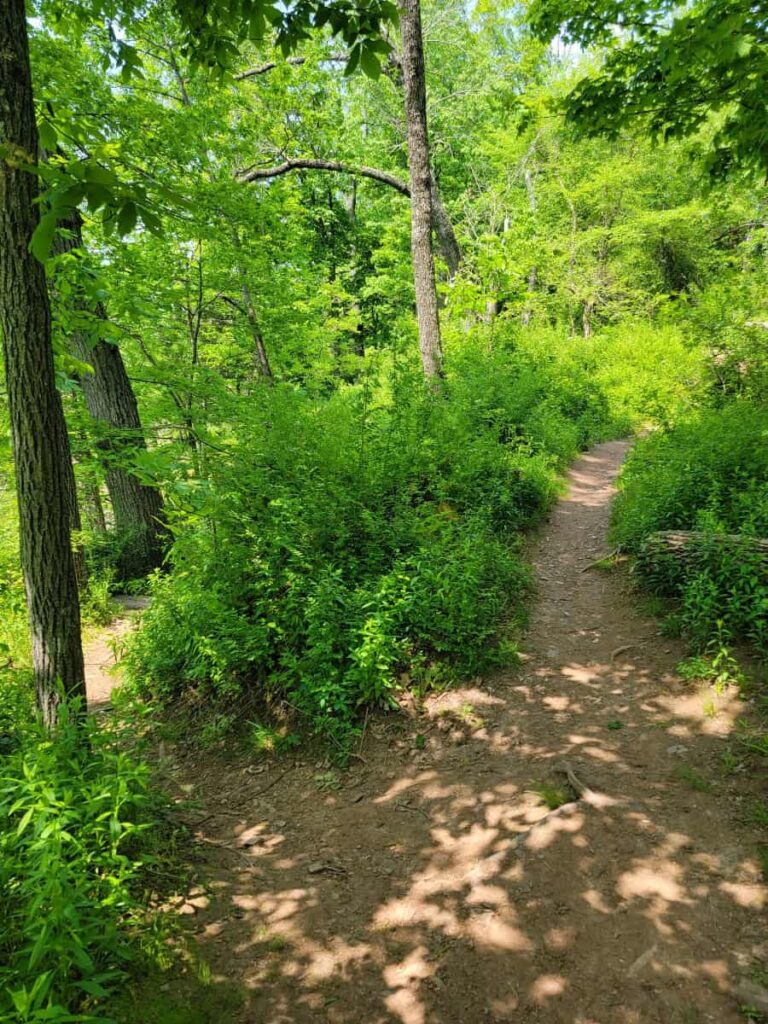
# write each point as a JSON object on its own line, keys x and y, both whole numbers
{"x": 708, "y": 474}
{"x": 342, "y": 543}
{"x": 74, "y": 810}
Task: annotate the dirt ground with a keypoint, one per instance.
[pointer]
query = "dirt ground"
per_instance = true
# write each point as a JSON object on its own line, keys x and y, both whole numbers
{"x": 101, "y": 654}
{"x": 418, "y": 888}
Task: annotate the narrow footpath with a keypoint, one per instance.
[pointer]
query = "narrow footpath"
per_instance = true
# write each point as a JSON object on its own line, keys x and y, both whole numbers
{"x": 432, "y": 884}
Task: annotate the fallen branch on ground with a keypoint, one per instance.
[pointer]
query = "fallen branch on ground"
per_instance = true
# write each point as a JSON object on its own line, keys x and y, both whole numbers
{"x": 600, "y": 560}
{"x": 683, "y": 545}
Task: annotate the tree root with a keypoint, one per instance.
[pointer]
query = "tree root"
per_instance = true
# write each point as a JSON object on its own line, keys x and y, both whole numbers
{"x": 578, "y": 787}
{"x": 600, "y": 560}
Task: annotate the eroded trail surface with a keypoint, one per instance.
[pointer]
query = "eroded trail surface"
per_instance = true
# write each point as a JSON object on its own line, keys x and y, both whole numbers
{"x": 416, "y": 888}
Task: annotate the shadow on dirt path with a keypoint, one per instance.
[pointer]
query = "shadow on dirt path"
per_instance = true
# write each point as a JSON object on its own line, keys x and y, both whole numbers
{"x": 419, "y": 889}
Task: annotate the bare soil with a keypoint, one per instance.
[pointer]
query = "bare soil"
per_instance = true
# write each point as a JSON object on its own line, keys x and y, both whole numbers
{"x": 431, "y": 884}
{"x": 102, "y": 652}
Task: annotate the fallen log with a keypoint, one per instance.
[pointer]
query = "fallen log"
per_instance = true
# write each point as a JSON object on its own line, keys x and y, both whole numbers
{"x": 685, "y": 545}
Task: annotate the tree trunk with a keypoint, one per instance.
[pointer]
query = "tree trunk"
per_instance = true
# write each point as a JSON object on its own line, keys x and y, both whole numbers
{"x": 446, "y": 236}
{"x": 586, "y": 317}
{"x": 75, "y": 522}
{"x": 40, "y": 443}
{"x": 533, "y": 277}
{"x": 94, "y": 509}
{"x": 110, "y": 400}
{"x": 684, "y": 545}
{"x": 261, "y": 358}
{"x": 421, "y": 188}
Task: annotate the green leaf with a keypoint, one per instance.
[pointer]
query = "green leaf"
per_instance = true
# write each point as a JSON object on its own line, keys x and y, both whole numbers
{"x": 126, "y": 218}
{"x": 369, "y": 62}
{"x": 48, "y": 136}
{"x": 354, "y": 60}
{"x": 42, "y": 238}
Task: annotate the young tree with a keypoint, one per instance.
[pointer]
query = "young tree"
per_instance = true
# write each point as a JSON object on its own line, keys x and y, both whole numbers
{"x": 414, "y": 85}
{"x": 40, "y": 444}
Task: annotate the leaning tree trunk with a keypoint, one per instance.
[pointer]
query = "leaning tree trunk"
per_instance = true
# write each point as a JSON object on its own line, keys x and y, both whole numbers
{"x": 137, "y": 508}
{"x": 40, "y": 443}
{"x": 110, "y": 400}
{"x": 261, "y": 359}
{"x": 446, "y": 236}
{"x": 421, "y": 188}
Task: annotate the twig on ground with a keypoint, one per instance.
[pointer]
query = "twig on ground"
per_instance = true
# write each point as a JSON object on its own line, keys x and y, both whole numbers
{"x": 622, "y": 650}
{"x": 600, "y": 560}
{"x": 579, "y": 788}
{"x": 224, "y": 846}
{"x": 269, "y": 785}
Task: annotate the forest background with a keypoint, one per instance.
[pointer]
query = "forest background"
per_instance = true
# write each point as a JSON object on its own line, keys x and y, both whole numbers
{"x": 255, "y": 444}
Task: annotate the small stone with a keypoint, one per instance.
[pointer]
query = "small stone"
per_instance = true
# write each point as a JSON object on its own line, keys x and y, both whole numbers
{"x": 316, "y": 867}
{"x": 187, "y": 909}
{"x": 677, "y": 750}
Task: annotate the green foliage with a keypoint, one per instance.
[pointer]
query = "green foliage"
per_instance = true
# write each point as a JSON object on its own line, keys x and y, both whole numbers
{"x": 668, "y": 69}
{"x": 694, "y": 779}
{"x": 707, "y": 474}
{"x": 75, "y": 811}
{"x": 380, "y": 542}
{"x": 553, "y": 795}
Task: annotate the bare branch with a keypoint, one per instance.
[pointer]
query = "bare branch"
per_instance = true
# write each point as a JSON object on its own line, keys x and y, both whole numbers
{"x": 264, "y": 173}
{"x": 262, "y": 69}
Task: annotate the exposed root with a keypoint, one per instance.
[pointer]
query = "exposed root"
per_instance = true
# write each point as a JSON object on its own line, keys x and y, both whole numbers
{"x": 600, "y": 560}
{"x": 581, "y": 789}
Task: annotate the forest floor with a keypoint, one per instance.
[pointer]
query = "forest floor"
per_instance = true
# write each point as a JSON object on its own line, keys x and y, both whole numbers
{"x": 431, "y": 884}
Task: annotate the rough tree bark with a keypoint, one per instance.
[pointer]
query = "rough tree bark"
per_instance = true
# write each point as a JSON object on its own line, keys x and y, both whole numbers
{"x": 414, "y": 87}
{"x": 110, "y": 400}
{"x": 40, "y": 443}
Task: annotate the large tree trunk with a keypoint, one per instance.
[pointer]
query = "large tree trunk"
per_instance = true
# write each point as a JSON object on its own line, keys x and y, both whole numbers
{"x": 40, "y": 443}
{"x": 110, "y": 400}
{"x": 137, "y": 508}
{"x": 75, "y": 522}
{"x": 421, "y": 188}
{"x": 685, "y": 546}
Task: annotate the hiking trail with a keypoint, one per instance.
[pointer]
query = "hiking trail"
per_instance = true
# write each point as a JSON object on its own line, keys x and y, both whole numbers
{"x": 431, "y": 883}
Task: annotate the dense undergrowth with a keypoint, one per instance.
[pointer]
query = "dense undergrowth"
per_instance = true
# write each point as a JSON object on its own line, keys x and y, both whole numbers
{"x": 379, "y": 549}
{"x": 77, "y": 823}
{"x": 708, "y": 474}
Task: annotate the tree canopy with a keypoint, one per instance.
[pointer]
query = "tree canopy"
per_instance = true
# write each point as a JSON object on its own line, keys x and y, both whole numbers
{"x": 671, "y": 70}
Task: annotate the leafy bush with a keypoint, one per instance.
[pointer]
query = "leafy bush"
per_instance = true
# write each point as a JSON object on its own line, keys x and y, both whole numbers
{"x": 341, "y": 545}
{"x": 74, "y": 811}
{"x": 708, "y": 474}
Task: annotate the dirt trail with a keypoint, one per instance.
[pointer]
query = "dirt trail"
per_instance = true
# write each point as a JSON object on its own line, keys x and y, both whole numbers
{"x": 411, "y": 890}
{"x": 102, "y": 672}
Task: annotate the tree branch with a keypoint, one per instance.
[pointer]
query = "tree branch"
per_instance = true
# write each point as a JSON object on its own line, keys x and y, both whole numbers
{"x": 262, "y": 69}
{"x": 263, "y": 173}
